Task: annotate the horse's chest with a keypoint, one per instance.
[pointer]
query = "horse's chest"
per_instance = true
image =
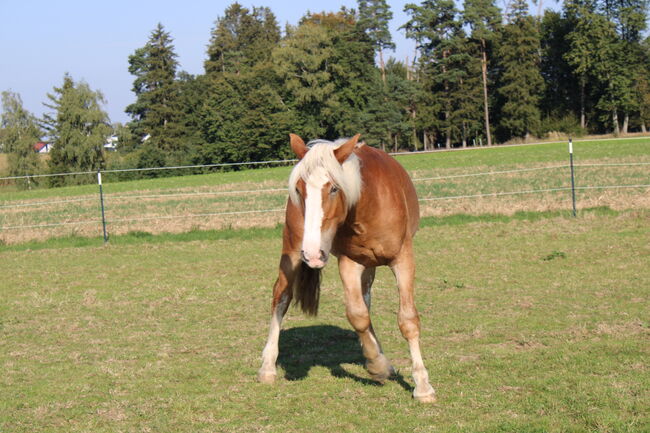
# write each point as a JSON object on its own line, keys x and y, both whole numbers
{"x": 364, "y": 247}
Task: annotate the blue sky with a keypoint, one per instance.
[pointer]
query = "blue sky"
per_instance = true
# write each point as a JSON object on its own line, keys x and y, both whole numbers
{"x": 92, "y": 40}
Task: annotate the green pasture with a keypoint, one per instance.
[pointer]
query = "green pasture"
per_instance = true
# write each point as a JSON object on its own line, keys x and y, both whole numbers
{"x": 530, "y": 324}
{"x": 495, "y": 157}
{"x": 255, "y": 198}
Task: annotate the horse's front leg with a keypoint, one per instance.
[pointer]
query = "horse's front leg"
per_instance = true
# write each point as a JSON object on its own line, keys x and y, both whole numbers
{"x": 409, "y": 321}
{"x": 357, "y": 282}
{"x": 282, "y": 294}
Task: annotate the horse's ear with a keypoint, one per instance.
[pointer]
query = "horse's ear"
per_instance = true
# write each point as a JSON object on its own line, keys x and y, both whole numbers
{"x": 298, "y": 146}
{"x": 346, "y": 149}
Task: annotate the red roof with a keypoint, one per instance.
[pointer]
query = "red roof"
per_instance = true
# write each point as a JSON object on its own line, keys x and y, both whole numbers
{"x": 39, "y": 146}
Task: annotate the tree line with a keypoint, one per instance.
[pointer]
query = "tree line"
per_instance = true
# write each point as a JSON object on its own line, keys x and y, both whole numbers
{"x": 479, "y": 75}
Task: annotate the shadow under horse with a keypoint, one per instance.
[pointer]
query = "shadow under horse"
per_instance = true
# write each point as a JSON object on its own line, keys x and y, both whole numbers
{"x": 324, "y": 346}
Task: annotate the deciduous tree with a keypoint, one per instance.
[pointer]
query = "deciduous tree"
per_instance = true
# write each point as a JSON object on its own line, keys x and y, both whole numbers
{"x": 78, "y": 128}
{"x": 19, "y": 132}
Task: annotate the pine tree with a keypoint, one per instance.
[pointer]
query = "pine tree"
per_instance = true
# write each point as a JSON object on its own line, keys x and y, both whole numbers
{"x": 606, "y": 55}
{"x": 156, "y": 113}
{"x": 78, "y": 129}
{"x": 521, "y": 83}
{"x": 445, "y": 64}
{"x": 243, "y": 118}
{"x": 19, "y": 132}
{"x": 484, "y": 19}
{"x": 630, "y": 20}
{"x": 374, "y": 16}
{"x": 643, "y": 87}
{"x": 564, "y": 95}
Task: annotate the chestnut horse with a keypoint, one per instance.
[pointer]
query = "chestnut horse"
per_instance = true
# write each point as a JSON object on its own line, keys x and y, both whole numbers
{"x": 359, "y": 204}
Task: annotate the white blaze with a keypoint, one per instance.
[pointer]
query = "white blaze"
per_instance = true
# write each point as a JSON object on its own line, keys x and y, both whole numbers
{"x": 311, "y": 241}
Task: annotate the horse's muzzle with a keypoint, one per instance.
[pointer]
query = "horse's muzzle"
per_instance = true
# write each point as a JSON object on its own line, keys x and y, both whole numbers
{"x": 312, "y": 262}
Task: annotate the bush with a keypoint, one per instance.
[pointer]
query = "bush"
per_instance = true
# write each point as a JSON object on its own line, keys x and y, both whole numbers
{"x": 551, "y": 127}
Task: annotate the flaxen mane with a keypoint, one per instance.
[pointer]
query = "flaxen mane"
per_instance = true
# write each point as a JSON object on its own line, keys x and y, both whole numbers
{"x": 346, "y": 176}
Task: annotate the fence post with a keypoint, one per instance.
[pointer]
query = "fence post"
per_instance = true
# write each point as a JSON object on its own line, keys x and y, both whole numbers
{"x": 573, "y": 183}
{"x": 101, "y": 202}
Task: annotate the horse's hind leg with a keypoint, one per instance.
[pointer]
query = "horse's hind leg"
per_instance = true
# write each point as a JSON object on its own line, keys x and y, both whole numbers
{"x": 409, "y": 321}
{"x": 282, "y": 294}
{"x": 357, "y": 281}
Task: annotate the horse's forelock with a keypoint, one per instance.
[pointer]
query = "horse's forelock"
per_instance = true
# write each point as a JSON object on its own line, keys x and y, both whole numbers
{"x": 346, "y": 176}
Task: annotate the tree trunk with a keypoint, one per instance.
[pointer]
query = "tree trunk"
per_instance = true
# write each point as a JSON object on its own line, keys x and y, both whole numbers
{"x": 582, "y": 103}
{"x": 382, "y": 66}
{"x": 395, "y": 141}
{"x": 447, "y": 132}
{"x": 486, "y": 109}
{"x": 626, "y": 120}
{"x": 617, "y": 131}
{"x": 643, "y": 128}
{"x": 415, "y": 136}
{"x": 464, "y": 134}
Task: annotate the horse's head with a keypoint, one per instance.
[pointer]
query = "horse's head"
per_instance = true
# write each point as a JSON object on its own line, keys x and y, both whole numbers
{"x": 325, "y": 184}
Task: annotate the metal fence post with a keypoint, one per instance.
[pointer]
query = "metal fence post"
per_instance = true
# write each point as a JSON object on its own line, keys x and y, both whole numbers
{"x": 573, "y": 183}
{"x": 101, "y": 202}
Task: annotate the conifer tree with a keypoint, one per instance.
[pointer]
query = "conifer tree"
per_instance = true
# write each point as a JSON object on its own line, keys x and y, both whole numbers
{"x": 374, "y": 16}
{"x": 386, "y": 116}
{"x": 484, "y": 19}
{"x": 521, "y": 83}
{"x": 564, "y": 97}
{"x": 244, "y": 118}
{"x": 445, "y": 64}
{"x": 78, "y": 129}
{"x": 156, "y": 113}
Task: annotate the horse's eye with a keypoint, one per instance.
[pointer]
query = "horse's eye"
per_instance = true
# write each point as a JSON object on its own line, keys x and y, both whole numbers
{"x": 297, "y": 191}
{"x": 334, "y": 190}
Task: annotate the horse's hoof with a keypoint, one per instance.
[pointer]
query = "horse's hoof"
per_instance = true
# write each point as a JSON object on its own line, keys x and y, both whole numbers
{"x": 380, "y": 369}
{"x": 266, "y": 377}
{"x": 428, "y": 397}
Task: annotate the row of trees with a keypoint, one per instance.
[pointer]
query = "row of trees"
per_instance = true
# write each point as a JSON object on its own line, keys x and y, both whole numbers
{"x": 479, "y": 75}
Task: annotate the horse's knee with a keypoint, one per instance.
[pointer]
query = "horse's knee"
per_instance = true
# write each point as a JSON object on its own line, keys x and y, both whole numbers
{"x": 359, "y": 318}
{"x": 409, "y": 324}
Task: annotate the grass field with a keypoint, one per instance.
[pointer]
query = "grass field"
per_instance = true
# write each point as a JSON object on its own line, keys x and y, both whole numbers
{"x": 533, "y": 321}
{"x": 180, "y": 204}
{"x": 529, "y": 325}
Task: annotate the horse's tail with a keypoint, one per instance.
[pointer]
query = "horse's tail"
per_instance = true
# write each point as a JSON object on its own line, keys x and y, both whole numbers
{"x": 306, "y": 289}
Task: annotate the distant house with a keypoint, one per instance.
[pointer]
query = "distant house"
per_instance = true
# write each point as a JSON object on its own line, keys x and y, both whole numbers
{"x": 111, "y": 143}
{"x": 41, "y": 147}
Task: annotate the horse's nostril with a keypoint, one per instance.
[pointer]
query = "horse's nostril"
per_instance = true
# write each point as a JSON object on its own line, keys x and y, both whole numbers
{"x": 323, "y": 256}
{"x": 302, "y": 256}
